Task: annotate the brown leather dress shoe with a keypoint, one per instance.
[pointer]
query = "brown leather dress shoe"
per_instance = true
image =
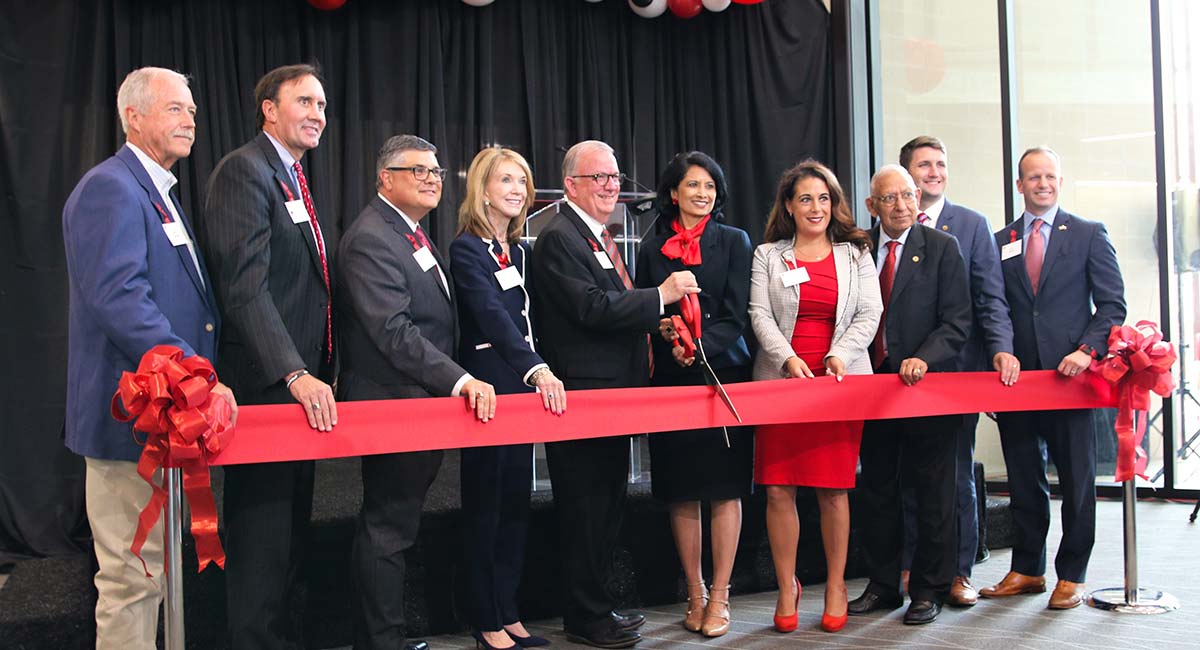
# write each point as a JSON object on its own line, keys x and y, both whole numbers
{"x": 962, "y": 592}
{"x": 1067, "y": 595}
{"x": 1015, "y": 583}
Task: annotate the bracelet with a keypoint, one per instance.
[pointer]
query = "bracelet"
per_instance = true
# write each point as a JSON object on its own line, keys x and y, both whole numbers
{"x": 296, "y": 375}
{"x": 533, "y": 379}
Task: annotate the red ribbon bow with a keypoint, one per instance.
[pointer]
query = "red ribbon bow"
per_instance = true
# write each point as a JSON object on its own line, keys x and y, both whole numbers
{"x": 170, "y": 400}
{"x": 1138, "y": 361}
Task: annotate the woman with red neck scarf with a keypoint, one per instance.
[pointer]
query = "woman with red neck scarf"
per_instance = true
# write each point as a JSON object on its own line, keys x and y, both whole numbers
{"x": 688, "y": 467}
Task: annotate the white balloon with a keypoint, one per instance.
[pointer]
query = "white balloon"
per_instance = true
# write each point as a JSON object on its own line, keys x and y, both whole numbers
{"x": 652, "y": 10}
{"x": 478, "y": 3}
{"x": 716, "y": 5}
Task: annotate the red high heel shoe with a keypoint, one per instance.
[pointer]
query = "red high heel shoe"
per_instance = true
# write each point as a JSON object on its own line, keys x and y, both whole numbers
{"x": 789, "y": 623}
{"x": 833, "y": 623}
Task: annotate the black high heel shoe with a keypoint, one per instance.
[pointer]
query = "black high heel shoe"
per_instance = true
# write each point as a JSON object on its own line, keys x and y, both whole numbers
{"x": 480, "y": 643}
{"x": 531, "y": 641}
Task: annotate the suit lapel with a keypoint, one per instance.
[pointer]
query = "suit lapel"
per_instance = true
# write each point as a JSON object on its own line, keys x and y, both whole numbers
{"x": 594, "y": 244}
{"x": 185, "y": 258}
{"x": 946, "y": 218}
{"x": 911, "y": 256}
{"x": 289, "y": 192}
{"x": 407, "y": 237}
{"x": 1058, "y": 246}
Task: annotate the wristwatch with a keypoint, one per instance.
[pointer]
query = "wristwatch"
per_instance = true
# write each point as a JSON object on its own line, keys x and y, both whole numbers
{"x": 1089, "y": 350}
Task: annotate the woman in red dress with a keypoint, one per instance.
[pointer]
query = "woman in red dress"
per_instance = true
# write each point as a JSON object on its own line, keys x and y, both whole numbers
{"x": 814, "y": 307}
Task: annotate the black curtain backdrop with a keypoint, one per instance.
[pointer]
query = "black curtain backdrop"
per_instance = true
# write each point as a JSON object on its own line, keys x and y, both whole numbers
{"x": 750, "y": 85}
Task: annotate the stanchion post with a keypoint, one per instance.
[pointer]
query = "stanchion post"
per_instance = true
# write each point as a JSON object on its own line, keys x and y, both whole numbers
{"x": 173, "y": 531}
{"x": 1131, "y": 599}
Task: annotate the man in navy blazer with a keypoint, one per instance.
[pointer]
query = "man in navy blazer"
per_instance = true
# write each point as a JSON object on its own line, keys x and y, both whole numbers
{"x": 1056, "y": 266}
{"x": 401, "y": 335}
{"x": 135, "y": 282}
{"x": 989, "y": 345}
{"x": 926, "y": 318}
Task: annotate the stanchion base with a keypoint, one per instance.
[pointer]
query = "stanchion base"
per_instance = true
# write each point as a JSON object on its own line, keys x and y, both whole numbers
{"x": 1149, "y": 601}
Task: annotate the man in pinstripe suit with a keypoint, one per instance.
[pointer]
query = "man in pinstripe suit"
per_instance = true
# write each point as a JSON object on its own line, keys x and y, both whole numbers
{"x": 269, "y": 256}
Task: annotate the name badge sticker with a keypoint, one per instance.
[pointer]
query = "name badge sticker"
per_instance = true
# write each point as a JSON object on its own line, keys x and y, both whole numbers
{"x": 175, "y": 233}
{"x": 508, "y": 278}
{"x": 602, "y": 258}
{"x": 296, "y": 211}
{"x": 1010, "y": 250}
{"x": 424, "y": 258}
{"x": 795, "y": 276}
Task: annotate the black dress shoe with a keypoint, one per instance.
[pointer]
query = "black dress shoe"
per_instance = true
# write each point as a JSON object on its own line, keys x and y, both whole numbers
{"x": 604, "y": 636}
{"x": 982, "y": 554}
{"x": 630, "y": 621}
{"x": 870, "y": 602}
{"x": 416, "y": 645}
{"x": 921, "y": 612}
{"x": 531, "y": 641}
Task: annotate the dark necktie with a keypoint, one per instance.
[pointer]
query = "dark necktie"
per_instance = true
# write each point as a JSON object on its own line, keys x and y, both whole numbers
{"x": 887, "y": 276}
{"x": 1034, "y": 253}
{"x": 316, "y": 227}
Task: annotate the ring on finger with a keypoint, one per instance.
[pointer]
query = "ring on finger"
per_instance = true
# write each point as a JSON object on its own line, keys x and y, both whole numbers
{"x": 316, "y": 406}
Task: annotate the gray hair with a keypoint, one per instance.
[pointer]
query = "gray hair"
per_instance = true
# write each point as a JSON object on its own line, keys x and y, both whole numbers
{"x": 892, "y": 168}
{"x": 571, "y": 160}
{"x": 396, "y": 145}
{"x": 1042, "y": 149}
{"x": 135, "y": 91}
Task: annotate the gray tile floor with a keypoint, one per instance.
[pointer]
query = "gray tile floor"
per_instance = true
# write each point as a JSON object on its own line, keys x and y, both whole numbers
{"x": 1169, "y": 557}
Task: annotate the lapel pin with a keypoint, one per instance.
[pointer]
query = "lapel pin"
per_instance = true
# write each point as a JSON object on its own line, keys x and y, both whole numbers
{"x": 1063, "y": 227}
{"x": 945, "y": 227}
{"x": 916, "y": 258}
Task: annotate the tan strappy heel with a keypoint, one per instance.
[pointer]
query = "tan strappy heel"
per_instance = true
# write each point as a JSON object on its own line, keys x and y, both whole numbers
{"x": 716, "y": 614}
{"x": 696, "y": 608}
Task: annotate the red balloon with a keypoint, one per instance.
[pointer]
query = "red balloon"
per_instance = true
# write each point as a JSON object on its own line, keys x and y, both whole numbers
{"x": 685, "y": 8}
{"x": 327, "y": 5}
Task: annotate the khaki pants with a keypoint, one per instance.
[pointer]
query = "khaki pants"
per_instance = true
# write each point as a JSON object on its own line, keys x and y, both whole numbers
{"x": 127, "y": 607}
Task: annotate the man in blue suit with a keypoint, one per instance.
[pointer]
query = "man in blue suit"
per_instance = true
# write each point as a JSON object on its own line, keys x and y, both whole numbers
{"x": 135, "y": 282}
{"x": 989, "y": 344}
{"x": 1056, "y": 267}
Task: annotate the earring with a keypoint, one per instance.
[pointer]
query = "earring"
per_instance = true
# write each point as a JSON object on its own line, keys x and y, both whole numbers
{"x": 487, "y": 203}
{"x": 674, "y": 201}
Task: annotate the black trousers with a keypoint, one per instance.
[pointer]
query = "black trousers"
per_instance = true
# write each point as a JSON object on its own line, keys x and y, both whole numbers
{"x": 495, "y": 515}
{"x": 394, "y": 488}
{"x": 918, "y": 453}
{"x": 1027, "y": 438}
{"x": 589, "y": 479}
{"x": 268, "y": 507}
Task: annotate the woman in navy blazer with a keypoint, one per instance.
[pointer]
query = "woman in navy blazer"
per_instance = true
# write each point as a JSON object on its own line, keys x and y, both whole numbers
{"x": 690, "y": 466}
{"x": 488, "y": 263}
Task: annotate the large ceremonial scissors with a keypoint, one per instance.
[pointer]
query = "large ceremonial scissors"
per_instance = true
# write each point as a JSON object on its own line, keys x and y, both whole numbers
{"x": 689, "y": 330}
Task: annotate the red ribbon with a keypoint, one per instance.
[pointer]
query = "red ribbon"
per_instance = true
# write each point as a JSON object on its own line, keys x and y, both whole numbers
{"x": 684, "y": 244}
{"x": 169, "y": 399}
{"x": 280, "y": 432}
{"x": 1138, "y": 361}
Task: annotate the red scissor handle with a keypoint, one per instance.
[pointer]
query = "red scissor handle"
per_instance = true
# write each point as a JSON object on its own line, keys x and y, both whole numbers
{"x": 684, "y": 340}
{"x": 690, "y": 307}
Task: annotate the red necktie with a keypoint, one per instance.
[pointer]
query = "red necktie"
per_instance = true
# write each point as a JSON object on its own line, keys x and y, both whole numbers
{"x": 887, "y": 275}
{"x": 923, "y": 219}
{"x": 610, "y": 247}
{"x": 1034, "y": 253}
{"x": 425, "y": 242}
{"x": 312, "y": 220}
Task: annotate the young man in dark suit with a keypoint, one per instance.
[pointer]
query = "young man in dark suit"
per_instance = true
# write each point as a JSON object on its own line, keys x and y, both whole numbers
{"x": 136, "y": 282}
{"x": 1057, "y": 267}
{"x": 989, "y": 344}
{"x": 401, "y": 333}
{"x": 270, "y": 256}
{"x": 592, "y": 325}
{"x": 926, "y": 318}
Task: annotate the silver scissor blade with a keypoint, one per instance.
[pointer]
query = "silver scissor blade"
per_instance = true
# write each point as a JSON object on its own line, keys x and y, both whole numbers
{"x": 717, "y": 382}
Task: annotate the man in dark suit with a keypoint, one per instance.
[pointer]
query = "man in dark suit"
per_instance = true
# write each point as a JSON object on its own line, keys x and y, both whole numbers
{"x": 1056, "y": 266}
{"x": 926, "y": 319}
{"x": 270, "y": 257}
{"x": 989, "y": 344}
{"x": 136, "y": 282}
{"x": 401, "y": 332}
{"x": 592, "y": 326}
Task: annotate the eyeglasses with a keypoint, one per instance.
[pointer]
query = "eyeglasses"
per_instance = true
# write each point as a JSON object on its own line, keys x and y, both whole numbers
{"x": 602, "y": 178}
{"x": 421, "y": 172}
{"x": 908, "y": 196}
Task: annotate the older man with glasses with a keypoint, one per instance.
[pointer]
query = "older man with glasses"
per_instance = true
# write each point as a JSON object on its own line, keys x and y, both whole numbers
{"x": 593, "y": 328}
{"x": 926, "y": 319}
